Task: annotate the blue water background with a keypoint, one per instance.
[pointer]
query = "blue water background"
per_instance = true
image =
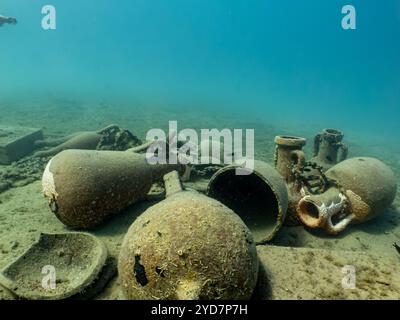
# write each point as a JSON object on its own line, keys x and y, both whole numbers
{"x": 282, "y": 61}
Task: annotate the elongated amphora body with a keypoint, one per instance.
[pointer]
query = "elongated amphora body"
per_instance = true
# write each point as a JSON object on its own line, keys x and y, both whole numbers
{"x": 86, "y": 187}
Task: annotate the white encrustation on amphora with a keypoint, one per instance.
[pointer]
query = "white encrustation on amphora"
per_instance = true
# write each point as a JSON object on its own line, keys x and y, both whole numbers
{"x": 364, "y": 187}
{"x": 87, "y": 187}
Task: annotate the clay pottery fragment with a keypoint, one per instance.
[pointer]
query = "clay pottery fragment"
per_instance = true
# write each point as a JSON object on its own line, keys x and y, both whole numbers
{"x": 55, "y": 267}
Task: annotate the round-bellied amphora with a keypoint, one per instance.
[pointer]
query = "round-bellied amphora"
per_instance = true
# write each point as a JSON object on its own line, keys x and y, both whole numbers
{"x": 188, "y": 246}
{"x": 361, "y": 188}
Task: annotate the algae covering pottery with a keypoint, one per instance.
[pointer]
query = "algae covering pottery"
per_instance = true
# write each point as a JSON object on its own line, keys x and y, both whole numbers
{"x": 288, "y": 152}
{"x": 329, "y": 148}
{"x": 361, "y": 189}
{"x": 77, "y": 259}
{"x": 86, "y": 187}
{"x": 188, "y": 246}
{"x": 289, "y": 157}
{"x": 260, "y": 198}
{"x": 111, "y": 137}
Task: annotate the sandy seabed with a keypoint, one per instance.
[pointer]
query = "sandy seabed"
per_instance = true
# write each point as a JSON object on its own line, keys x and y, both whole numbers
{"x": 300, "y": 263}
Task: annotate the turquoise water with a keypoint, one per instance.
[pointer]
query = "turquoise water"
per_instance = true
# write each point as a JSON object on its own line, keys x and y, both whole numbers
{"x": 285, "y": 61}
{"x": 279, "y": 66}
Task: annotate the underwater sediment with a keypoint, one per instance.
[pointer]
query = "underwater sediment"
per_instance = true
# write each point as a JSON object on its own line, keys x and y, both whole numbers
{"x": 368, "y": 246}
